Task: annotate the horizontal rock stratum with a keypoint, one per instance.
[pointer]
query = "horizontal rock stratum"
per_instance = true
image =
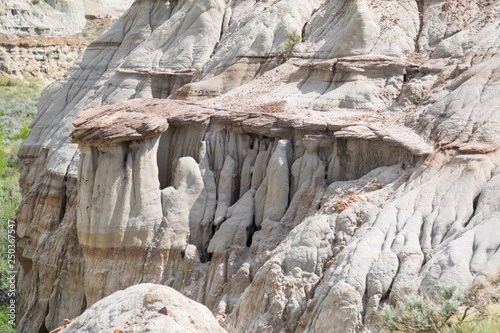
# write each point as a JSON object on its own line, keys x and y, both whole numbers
{"x": 287, "y": 189}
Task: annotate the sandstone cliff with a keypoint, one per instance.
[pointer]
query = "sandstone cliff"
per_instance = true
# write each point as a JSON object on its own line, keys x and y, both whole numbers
{"x": 284, "y": 197}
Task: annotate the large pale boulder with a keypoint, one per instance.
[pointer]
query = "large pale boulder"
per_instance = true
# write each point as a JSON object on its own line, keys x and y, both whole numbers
{"x": 146, "y": 308}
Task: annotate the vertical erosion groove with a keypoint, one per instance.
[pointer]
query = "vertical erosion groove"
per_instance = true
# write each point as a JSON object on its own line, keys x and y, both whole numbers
{"x": 420, "y": 7}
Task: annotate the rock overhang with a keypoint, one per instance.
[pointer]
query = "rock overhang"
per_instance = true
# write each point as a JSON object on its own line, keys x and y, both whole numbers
{"x": 140, "y": 119}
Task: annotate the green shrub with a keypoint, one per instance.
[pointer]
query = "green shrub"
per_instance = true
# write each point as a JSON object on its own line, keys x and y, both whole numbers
{"x": 417, "y": 314}
{"x": 8, "y": 82}
{"x": 479, "y": 323}
{"x": 293, "y": 39}
{"x": 5, "y": 327}
{"x": 451, "y": 310}
{"x": 17, "y": 105}
{"x": 23, "y": 133}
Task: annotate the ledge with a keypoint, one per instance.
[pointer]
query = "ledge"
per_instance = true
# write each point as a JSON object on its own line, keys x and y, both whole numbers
{"x": 140, "y": 119}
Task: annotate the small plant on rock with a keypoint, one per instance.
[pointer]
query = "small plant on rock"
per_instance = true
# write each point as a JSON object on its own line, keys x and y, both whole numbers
{"x": 293, "y": 39}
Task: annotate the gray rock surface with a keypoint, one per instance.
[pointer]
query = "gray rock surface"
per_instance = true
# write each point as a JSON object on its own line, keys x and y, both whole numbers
{"x": 294, "y": 197}
{"x": 54, "y": 17}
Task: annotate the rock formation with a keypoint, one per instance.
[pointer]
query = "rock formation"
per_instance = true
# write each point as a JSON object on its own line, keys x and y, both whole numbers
{"x": 284, "y": 197}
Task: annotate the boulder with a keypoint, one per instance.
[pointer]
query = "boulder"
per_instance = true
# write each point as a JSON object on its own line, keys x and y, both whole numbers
{"x": 146, "y": 308}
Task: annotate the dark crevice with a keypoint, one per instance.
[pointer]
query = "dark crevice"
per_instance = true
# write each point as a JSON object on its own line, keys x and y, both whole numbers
{"x": 204, "y": 258}
{"x": 64, "y": 194}
{"x": 420, "y": 7}
{"x": 43, "y": 328}
{"x": 474, "y": 207}
{"x": 474, "y": 203}
{"x": 84, "y": 304}
{"x": 63, "y": 201}
{"x": 214, "y": 230}
{"x": 250, "y": 232}
{"x": 410, "y": 72}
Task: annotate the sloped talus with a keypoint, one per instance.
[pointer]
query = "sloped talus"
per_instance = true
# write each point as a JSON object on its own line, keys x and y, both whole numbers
{"x": 427, "y": 214}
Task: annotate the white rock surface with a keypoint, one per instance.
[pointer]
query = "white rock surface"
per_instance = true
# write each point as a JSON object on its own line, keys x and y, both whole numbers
{"x": 234, "y": 231}
{"x": 103, "y": 8}
{"x": 362, "y": 27}
{"x": 54, "y": 17}
{"x": 227, "y": 185}
{"x": 146, "y": 308}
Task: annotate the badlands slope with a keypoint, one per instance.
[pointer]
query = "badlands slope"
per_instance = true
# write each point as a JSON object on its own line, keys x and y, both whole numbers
{"x": 285, "y": 197}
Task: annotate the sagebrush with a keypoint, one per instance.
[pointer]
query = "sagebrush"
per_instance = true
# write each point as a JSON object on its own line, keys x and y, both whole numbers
{"x": 450, "y": 310}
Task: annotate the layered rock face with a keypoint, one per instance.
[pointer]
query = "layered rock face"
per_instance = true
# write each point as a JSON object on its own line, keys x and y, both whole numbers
{"x": 39, "y": 57}
{"x": 292, "y": 197}
{"x": 53, "y": 17}
{"x": 38, "y": 38}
